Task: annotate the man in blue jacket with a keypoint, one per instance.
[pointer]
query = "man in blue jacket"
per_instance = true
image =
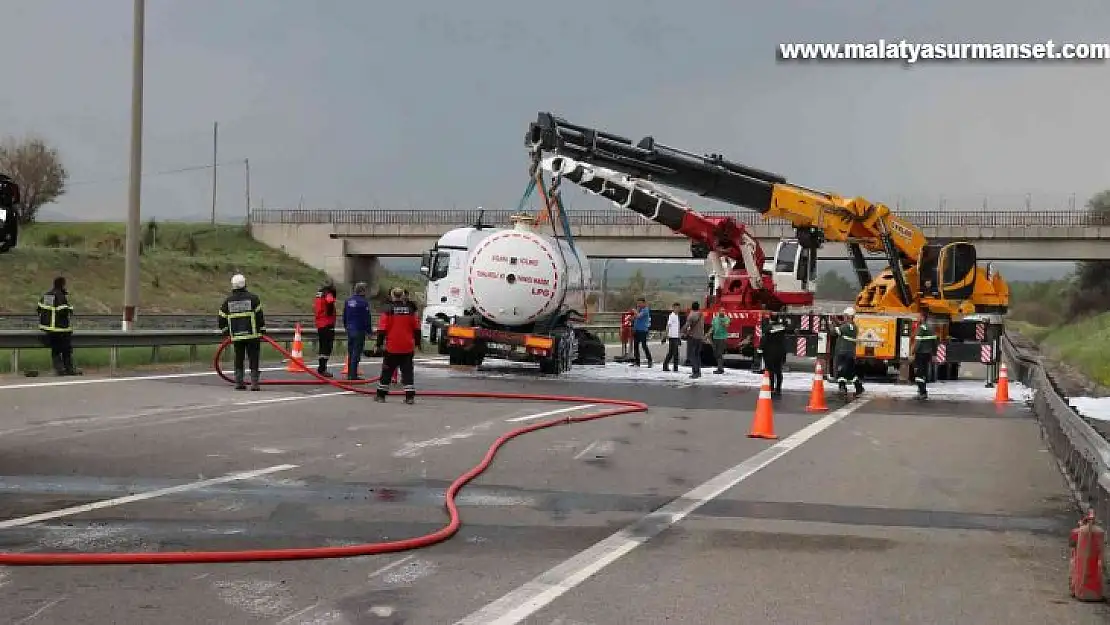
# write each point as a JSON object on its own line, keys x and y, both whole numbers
{"x": 356, "y": 320}
{"x": 641, "y": 325}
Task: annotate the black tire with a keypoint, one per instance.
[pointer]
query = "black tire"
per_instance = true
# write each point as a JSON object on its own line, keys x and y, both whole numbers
{"x": 441, "y": 343}
{"x": 562, "y": 358}
{"x": 456, "y": 357}
{"x": 591, "y": 351}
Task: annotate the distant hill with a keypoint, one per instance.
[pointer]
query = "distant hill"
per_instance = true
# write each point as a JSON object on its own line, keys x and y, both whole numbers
{"x": 185, "y": 268}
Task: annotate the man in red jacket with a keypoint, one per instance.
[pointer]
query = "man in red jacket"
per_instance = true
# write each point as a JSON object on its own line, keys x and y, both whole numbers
{"x": 325, "y": 325}
{"x": 398, "y": 337}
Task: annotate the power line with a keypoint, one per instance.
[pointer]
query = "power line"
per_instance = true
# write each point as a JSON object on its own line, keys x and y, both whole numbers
{"x": 156, "y": 173}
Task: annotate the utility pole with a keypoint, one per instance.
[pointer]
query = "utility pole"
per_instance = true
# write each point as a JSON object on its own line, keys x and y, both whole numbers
{"x": 247, "y": 170}
{"x": 215, "y": 145}
{"x": 134, "y": 188}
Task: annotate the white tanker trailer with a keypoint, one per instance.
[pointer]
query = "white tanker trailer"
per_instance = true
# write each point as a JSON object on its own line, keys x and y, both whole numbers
{"x": 510, "y": 293}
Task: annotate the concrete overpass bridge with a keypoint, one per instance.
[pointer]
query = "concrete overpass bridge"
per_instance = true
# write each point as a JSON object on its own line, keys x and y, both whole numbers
{"x": 348, "y": 243}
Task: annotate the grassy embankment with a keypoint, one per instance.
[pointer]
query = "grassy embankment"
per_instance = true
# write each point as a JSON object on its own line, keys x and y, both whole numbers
{"x": 1038, "y": 312}
{"x": 185, "y": 268}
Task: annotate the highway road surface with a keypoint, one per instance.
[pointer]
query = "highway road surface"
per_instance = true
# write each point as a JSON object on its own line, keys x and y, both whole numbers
{"x": 883, "y": 510}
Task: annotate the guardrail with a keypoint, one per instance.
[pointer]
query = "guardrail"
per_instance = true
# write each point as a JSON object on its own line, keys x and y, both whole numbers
{"x": 921, "y": 218}
{"x": 168, "y": 321}
{"x": 21, "y": 340}
{"x": 17, "y": 341}
{"x": 85, "y": 323}
{"x": 1083, "y": 454}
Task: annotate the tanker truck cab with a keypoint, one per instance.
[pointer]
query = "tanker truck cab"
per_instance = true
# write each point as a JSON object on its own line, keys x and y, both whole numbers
{"x": 444, "y": 266}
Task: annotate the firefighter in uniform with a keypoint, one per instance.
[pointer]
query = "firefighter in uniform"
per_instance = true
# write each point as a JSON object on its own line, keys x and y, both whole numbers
{"x": 9, "y": 218}
{"x": 241, "y": 318}
{"x": 925, "y": 345}
{"x": 846, "y": 335}
{"x": 398, "y": 338}
{"x": 56, "y": 323}
{"x": 772, "y": 344}
{"x": 324, "y": 308}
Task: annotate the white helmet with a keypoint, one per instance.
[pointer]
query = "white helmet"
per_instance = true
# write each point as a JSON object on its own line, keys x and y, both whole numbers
{"x": 238, "y": 281}
{"x": 849, "y": 311}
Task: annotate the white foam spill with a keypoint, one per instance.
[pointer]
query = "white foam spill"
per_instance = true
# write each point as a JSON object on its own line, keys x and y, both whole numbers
{"x": 258, "y": 597}
{"x": 731, "y": 378}
{"x": 410, "y": 572}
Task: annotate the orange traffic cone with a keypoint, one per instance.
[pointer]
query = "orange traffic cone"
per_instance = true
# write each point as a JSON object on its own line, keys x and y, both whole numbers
{"x": 346, "y": 366}
{"x": 817, "y": 392}
{"x": 1002, "y": 391}
{"x": 763, "y": 424}
{"x": 296, "y": 362}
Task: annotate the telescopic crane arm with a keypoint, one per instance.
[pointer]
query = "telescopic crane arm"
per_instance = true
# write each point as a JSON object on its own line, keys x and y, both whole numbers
{"x": 720, "y": 235}
{"x": 816, "y": 216}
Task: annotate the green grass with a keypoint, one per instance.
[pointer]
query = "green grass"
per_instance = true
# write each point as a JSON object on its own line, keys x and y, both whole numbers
{"x": 97, "y": 360}
{"x": 1085, "y": 345}
{"x": 185, "y": 268}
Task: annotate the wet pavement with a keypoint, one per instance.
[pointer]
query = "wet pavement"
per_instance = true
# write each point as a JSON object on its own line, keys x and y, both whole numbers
{"x": 885, "y": 510}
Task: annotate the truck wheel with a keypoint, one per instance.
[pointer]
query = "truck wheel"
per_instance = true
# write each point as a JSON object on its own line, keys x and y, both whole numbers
{"x": 560, "y": 360}
{"x": 441, "y": 344}
{"x": 456, "y": 357}
{"x": 591, "y": 351}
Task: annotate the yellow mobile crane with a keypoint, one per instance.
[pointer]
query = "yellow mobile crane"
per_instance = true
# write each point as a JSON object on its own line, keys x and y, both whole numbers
{"x": 941, "y": 282}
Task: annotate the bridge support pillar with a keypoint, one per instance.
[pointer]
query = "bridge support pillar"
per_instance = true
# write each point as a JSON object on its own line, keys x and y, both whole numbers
{"x": 366, "y": 269}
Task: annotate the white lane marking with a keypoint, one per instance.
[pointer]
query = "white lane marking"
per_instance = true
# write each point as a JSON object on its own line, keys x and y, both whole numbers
{"x": 585, "y": 451}
{"x": 389, "y": 567}
{"x": 411, "y": 450}
{"x": 235, "y": 407}
{"x": 549, "y": 413}
{"x": 119, "y": 501}
{"x": 146, "y": 378}
{"x": 39, "y": 612}
{"x": 133, "y": 378}
{"x": 533, "y": 596}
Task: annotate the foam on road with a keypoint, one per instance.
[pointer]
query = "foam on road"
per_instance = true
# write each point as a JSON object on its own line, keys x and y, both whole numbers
{"x": 949, "y": 511}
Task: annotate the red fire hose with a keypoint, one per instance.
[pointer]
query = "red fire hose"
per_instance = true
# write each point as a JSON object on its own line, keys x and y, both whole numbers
{"x": 366, "y": 549}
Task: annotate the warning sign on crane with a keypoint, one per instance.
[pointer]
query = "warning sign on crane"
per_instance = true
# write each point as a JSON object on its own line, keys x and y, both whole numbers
{"x": 870, "y": 337}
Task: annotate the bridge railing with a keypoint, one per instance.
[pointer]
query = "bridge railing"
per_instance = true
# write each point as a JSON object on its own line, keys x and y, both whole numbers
{"x": 924, "y": 219}
{"x": 1082, "y": 452}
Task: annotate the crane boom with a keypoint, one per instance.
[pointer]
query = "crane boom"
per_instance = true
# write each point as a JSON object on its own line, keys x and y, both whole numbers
{"x": 722, "y": 236}
{"x": 943, "y": 278}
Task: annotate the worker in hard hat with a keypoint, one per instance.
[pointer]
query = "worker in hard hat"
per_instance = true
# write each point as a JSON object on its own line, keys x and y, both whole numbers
{"x": 397, "y": 339}
{"x": 772, "y": 346}
{"x": 845, "y": 358}
{"x": 925, "y": 345}
{"x": 241, "y": 318}
{"x": 326, "y": 317}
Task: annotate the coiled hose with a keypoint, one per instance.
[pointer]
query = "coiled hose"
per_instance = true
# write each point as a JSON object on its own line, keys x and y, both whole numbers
{"x": 365, "y": 549}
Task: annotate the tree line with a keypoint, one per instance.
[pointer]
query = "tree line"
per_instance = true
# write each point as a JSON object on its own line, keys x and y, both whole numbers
{"x": 38, "y": 170}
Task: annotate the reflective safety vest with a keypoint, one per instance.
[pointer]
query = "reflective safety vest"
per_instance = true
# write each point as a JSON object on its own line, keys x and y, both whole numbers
{"x": 846, "y": 338}
{"x": 926, "y": 340}
{"x": 241, "y": 316}
{"x": 55, "y": 313}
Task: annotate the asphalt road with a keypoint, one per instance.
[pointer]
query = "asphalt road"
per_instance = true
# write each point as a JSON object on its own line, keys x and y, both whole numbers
{"x": 881, "y": 511}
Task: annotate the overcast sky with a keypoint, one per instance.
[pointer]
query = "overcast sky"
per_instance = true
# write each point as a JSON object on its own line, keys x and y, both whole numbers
{"x": 352, "y": 103}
